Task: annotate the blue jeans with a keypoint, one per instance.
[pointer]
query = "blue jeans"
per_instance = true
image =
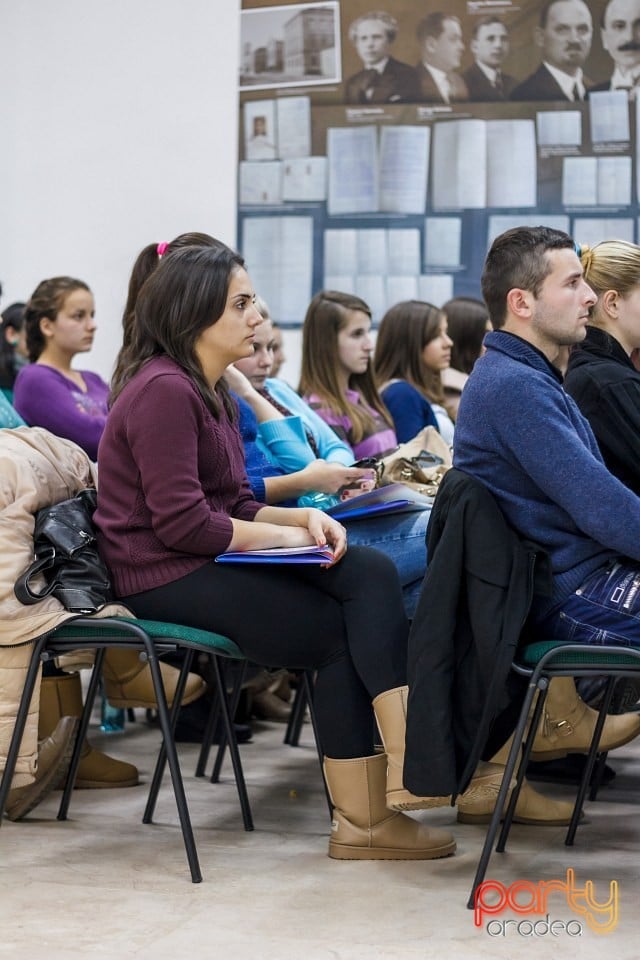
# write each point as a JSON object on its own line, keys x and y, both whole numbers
{"x": 605, "y": 609}
{"x": 401, "y": 536}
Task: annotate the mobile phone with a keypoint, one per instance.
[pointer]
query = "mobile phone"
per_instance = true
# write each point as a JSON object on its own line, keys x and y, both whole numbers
{"x": 427, "y": 459}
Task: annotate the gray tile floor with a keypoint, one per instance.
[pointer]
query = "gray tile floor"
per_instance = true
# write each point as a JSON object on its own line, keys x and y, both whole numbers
{"x": 105, "y": 885}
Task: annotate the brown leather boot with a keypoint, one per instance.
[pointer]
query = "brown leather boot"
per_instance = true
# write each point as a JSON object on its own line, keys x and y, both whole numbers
{"x": 390, "y": 709}
{"x": 363, "y": 828}
{"x": 62, "y": 696}
{"x": 128, "y": 683}
{"x": 54, "y": 756}
{"x": 567, "y": 724}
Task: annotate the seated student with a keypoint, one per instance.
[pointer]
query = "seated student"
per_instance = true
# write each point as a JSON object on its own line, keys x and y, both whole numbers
{"x": 467, "y": 324}
{"x": 601, "y": 377}
{"x": 171, "y": 501}
{"x": 521, "y": 435}
{"x": 49, "y": 392}
{"x": 336, "y": 379}
{"x": 13, "y": 347}
{"x": 412, "y": 349}
{"x": 400, "y": 536}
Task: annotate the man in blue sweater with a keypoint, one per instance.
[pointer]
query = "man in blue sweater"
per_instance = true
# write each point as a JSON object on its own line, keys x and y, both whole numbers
{"x": 521, "y": 435}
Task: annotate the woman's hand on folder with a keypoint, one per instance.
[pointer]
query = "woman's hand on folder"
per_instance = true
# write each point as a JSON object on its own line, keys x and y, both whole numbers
{"x": 327, "y": 532}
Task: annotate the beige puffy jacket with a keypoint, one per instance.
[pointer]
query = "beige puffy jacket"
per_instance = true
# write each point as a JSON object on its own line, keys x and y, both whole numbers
{"x": 37, "y": 469}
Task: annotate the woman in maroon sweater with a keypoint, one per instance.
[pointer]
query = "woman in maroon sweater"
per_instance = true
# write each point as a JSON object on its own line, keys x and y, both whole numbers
{"x": 174, "y": 494}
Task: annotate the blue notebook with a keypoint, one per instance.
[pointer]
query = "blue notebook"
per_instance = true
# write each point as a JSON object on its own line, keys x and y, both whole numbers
{"x": 391, "y": 498}
{"x": 278, "y": 555}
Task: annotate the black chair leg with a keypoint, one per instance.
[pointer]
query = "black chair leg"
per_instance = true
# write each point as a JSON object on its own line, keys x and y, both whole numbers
{"x": 601, "y": 759}
{"x": 232, "y": 703}
{"x": 510, "y": 766}
{"x": 158, "y": 773}
{"x": 296, "y": 717}
{"x": 542, "y": 684}
{"x": 174, "y": 765}
{"x": 228, "y": 734}
{"x": 307, "y": 683}
{"x": 207, "y": 738}
{"x": 90, "y": 697}
{"x": 590, "y": 762}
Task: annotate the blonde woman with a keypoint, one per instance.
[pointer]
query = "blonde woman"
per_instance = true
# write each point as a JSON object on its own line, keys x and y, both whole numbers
{"x": 601, "y": 377}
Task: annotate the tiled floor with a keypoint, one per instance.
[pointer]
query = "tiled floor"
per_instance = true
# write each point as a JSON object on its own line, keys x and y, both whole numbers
{"x": 105, "y": 885}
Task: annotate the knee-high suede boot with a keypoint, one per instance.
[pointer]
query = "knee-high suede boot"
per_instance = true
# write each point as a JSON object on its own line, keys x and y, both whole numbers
{"x": 363, "y": 828}
{"x": 390, "y": 709}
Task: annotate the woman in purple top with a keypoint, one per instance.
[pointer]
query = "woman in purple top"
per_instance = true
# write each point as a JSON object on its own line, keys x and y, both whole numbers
{"x": 174, "y": 495}
{"x": 336, "y": 379}
{"x": 60, "y": 322}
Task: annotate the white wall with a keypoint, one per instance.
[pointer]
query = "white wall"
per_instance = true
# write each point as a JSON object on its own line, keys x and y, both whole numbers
{"x": 118, "y": 124}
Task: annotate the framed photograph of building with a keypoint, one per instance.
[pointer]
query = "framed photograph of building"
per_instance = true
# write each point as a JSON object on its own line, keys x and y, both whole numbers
{"x": 290, "y": 45}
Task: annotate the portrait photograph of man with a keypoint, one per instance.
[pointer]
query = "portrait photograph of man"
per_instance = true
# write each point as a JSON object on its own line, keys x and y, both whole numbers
{"x": 383, "y": 79}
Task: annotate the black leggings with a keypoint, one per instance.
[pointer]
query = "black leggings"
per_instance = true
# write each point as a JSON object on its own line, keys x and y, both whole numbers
{"x": 347, "y": 622}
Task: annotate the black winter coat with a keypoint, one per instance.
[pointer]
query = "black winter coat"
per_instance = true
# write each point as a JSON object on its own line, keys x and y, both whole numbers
{"x": 606, "y": 386}
{"x": 463, "y": 698}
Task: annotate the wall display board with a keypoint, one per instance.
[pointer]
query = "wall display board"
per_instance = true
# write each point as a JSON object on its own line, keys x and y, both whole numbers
{"x": 382, "y": 148}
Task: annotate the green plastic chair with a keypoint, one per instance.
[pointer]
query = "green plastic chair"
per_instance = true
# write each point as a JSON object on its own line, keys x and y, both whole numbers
{"x": 152, "y": 639}
{"x": 540, "y": 662}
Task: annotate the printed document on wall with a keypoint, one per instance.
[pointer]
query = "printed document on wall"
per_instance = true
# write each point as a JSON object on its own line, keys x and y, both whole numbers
{"x": 404, "y": 169}
{"x": 279, "y": 253}
{"x": 353, "y": 169}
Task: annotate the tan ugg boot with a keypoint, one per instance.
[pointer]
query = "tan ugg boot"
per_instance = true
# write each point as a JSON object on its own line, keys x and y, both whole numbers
{"x": 363, "y": 828}
{"x": 567, "y": 724}
{"x": 128, "y": 683}
{"x": 54, "y": 757}
{"x": 390, "y": 709}
{"x": 532, "y": 807}
{"x": 62, "y": 696}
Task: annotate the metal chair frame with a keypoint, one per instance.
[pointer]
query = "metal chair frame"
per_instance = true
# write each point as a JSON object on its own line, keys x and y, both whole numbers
{"x": 571, "y": 660}
{"x": 99, "y": 634}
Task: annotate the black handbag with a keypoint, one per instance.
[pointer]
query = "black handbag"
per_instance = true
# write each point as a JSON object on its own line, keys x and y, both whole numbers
{"x": 66, "y": 553}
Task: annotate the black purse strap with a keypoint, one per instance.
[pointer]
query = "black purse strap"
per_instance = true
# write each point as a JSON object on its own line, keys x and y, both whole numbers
{"x": 23, "y": 591}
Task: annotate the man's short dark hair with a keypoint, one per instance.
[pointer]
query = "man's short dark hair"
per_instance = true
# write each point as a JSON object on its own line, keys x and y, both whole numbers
{"x": 486, "y": 22}
{"x": 517, "y": 259}
{"x": 433, "y": 25}
{"x": 544, "y": 12}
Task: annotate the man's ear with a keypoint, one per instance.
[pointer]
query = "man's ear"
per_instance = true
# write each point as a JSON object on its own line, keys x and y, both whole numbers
{"x": 520, "y": 303}
{"x": 538, "y": 37}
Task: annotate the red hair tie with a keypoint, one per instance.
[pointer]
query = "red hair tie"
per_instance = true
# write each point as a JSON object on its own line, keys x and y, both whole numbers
{"x": 161, "y": 248}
